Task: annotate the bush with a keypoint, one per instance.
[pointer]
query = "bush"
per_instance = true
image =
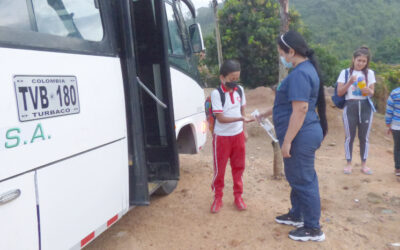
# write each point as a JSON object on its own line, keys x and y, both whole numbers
{"x": 388, "y": 78}
{"x": 329, "y": 65}
{"x": 381, "y": 94}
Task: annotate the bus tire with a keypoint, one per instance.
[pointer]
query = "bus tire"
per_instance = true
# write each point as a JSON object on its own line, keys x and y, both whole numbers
{"x": 167, "y": 187}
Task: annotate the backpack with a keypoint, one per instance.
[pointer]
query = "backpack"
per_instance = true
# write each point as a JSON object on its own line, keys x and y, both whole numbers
{"x": 210, "y": 116}
{"x": 339, "y": 101}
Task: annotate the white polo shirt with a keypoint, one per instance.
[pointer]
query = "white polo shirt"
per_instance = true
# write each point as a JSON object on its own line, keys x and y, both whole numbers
{"x": 231, "y": 108}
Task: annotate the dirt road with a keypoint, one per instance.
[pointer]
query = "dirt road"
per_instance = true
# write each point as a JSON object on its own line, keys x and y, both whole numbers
{"x": 358, "y": 211}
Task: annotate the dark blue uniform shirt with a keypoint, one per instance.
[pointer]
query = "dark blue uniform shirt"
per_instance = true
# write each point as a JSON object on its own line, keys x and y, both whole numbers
{"x": 302, "y": 84}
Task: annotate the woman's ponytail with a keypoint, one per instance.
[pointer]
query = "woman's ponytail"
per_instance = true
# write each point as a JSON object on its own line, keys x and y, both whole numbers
{"x": 321, "y": 103}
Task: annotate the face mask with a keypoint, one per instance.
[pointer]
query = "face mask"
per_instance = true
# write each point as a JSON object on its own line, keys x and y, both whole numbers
{"x": 285, "y": 63}
{"x": 231, "y": 85}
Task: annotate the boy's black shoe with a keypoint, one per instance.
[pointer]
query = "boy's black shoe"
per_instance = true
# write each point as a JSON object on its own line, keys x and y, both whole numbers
{"x": 306, "y": 234}
{"x": 287, "y": 219}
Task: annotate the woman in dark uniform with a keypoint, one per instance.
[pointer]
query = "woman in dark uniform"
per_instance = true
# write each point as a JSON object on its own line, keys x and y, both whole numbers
{"x": 300, "y": 132}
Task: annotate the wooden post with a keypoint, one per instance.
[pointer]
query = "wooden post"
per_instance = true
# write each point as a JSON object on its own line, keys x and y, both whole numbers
{"x": 284, "y": 14}
{"x": 283, "y": 72}
{"x": 217, "y": 33}
{"x": 278, "y": 161}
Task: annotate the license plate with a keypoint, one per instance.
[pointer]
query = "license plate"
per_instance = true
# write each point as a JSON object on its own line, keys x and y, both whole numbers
{"x": 40, "y": 97}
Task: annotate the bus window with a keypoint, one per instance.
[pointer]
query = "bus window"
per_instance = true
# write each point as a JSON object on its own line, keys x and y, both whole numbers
{"x": 14, "y": 14}
{"x": 187, "y": 14}
{"x": 188, "y": 20}
{"x": 175, "y": 38}
{"x": 69, "y": 18}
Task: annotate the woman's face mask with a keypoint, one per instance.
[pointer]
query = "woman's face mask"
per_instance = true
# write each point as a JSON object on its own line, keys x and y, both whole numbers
{"x": 283, "y": 55}
{"x": 286, "y": 63}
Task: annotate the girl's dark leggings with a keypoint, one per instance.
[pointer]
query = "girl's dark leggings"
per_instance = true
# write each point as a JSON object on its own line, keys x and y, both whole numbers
{"x": 357, "y": 115}
{"x": 396, "y": 150}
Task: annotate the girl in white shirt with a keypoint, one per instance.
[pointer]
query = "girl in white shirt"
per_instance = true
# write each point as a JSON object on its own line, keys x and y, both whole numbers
{"x": 358, "y": 110}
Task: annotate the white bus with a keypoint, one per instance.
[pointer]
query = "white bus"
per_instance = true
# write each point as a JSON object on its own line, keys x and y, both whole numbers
{"x": 97, "y": 99}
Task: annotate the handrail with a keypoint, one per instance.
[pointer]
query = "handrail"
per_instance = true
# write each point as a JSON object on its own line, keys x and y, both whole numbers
{"x": 155, "y": 98}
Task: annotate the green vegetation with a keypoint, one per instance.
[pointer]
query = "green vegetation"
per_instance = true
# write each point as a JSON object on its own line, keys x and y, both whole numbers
{"x": 248, "y": 33}
{"x": 333, "y": 28}
{"x": 388, "y": 51}
{"x": 205, "y": 16}
{"x": 341, "y": 26}
{"x": 329, "y": 65}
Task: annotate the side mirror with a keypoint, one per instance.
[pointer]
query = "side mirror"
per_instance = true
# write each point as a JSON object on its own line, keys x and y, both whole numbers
{"x": 196, "y": 38}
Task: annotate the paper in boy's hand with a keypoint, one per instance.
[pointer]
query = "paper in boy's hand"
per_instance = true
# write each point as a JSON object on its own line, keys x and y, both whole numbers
{"x": 266, "y": 124}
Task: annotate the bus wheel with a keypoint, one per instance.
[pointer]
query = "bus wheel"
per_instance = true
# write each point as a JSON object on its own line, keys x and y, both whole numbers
{"x": 167, "y": 188}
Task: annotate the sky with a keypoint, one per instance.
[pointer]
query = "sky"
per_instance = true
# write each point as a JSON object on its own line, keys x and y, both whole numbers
{"x": 202, "y": 3}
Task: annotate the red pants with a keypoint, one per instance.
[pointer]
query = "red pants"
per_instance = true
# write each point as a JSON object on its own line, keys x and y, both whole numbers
{"x": 224, "y": 148}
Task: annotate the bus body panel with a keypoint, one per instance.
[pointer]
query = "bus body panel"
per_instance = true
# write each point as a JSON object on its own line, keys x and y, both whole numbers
{"x": 198, "y": 126}
{"x": 73, "y": 153}
{"x": 19, "y": 227}
{"x": 79, "y": 195}
{"x": 102, "y": 109}
{"x": 186, "y": 104}
{"x": 73, "y": 170}
{"x": 188, "y": 108}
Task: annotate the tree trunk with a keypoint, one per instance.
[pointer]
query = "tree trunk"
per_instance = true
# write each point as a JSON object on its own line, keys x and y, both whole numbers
{"x": 284, "y": 13}
{"x": 278, "y": 160}
{"x": 283, "y": 72}
{"x": 217, "y": 34}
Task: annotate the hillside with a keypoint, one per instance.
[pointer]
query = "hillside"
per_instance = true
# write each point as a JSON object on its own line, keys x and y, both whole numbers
{"x": 205, "y": 17}
{"x": 342, "y": 25}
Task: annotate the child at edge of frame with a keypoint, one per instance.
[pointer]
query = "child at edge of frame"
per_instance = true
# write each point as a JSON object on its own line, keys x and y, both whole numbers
{"x": 392, "y": 121}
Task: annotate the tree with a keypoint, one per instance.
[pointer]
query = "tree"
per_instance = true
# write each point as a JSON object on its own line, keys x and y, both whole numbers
{"x": 283, "y": 72}
{"x": 248, "y": 32}
{"x": 329, "y": 65}
{"x": 284, "y": 14}
{"x": 217, "y": 33}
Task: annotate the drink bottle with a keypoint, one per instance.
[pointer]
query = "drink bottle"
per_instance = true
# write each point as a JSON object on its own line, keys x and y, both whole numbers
{"x": 361, "y": 83}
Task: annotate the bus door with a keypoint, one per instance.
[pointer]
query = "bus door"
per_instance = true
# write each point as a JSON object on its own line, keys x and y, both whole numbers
{"x": 150, "y": 97}
{"x": 155, "y": 92}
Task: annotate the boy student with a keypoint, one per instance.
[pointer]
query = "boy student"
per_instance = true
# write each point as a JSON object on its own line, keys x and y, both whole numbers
{"x": 229, "y": 134}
